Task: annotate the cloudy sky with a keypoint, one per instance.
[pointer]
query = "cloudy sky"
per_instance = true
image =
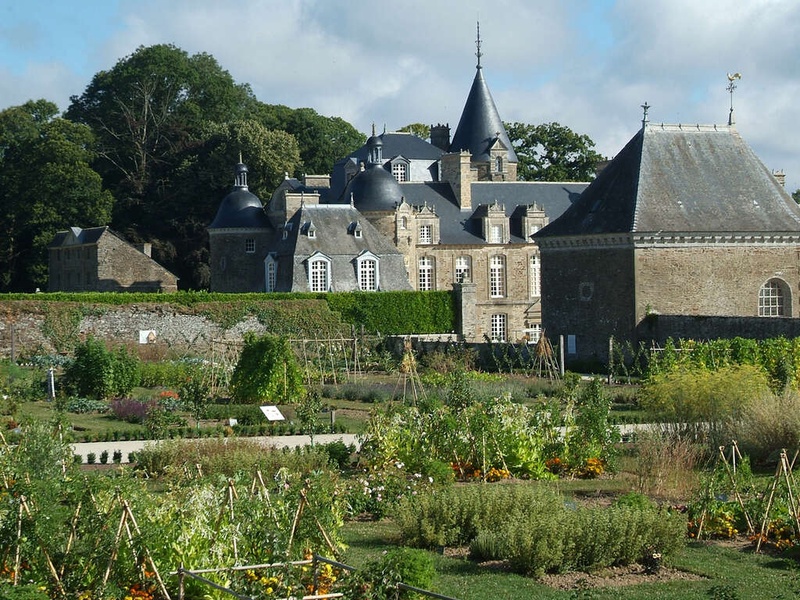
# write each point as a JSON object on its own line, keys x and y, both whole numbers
{"x": 587, "y": 64}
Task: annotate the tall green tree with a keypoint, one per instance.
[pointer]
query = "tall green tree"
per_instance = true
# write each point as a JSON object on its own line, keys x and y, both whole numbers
{"x": 323, "y": 140}
{"x": 552, "y": 152}
{"x": 46, "y": 185}
{"x": 148, "y": 108}
{"x": 419, "y": 129}
{"x": 203, "y": 179}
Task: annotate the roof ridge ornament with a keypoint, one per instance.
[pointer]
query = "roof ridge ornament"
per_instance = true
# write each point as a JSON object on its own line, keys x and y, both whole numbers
{"x": 478, "y": 44}
{"x": 645, "y": 108}
{"x": 732, "y": 86}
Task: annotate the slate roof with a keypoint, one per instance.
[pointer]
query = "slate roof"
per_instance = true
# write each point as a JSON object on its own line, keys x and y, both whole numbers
{"x": 334, "y": 238}
{"x": 400, "y": 143}
{"x": 480, "y": 123}
{"x": 240, "y": 208}
{"x": 75, "y": 236}
{"x": 374, "y": 189}
{"x": 678, "y": 178}
{"x": 459, "y": 227}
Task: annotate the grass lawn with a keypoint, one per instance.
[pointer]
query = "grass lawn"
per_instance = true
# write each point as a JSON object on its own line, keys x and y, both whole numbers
{"x": 727, "y": 571}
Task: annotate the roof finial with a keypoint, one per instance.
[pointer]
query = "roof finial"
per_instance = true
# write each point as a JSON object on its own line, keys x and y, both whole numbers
{"x": 645, "y": 107}
{"x": 478, "y": 44}
{"x": 730, "y": 88}
{"x": 240, "y": 157}
{"x": 373, "y": 130}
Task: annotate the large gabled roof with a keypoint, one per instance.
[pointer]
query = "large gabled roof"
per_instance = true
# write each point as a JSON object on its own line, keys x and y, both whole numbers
{"x": 683, "y": 179}
{"x": 480, "y": 124}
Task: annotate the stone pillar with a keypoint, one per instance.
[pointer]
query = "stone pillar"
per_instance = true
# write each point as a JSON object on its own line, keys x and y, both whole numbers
{"x": 466, "y": 303}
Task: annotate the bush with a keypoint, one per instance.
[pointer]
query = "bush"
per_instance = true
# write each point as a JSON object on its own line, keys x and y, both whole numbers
{"x": 769, "y": 423}
{"x": 267, "y": 370}
{"x": 104, "y": 457}
{"x": 91, "y": 458}
{"x": 378, "y": 579}
{"x": 99, "y": 373}
{"x": 85, "y": 405}
{"x": 703, "y": 403}
{"x": 129, "y": 409}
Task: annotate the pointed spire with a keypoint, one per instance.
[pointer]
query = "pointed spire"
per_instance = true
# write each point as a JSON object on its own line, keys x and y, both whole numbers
{"x": 478, "y": 53}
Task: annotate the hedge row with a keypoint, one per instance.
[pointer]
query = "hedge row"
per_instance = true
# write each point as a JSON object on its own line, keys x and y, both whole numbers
{"x": 390, "y": 313}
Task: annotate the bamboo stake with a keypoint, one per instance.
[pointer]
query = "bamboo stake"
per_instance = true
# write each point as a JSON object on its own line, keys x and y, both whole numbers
{"x": 732, "y": 477}
{"x": 765, "y": 521}
{"x": 294, "y": 524}
{"x": 149, "y": 557}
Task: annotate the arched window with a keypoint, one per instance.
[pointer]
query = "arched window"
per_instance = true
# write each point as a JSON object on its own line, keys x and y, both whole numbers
{"x": 270, "y": 272}
{"x": 319, "y": 274}
{"x": 497, "y": 277}
{"x": 498, "y": 164}
{"x": 463, "y": 272}
{"x": 425, "y": 274}
{"x": 773, "y": 299}
{"x": 368, "y": 272}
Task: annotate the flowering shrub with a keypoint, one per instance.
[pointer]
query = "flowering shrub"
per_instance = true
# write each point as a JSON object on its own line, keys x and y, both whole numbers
{"x": 592, "y": 468}
{"x": 376, "y": 491}
{"x": 129, "y": 409}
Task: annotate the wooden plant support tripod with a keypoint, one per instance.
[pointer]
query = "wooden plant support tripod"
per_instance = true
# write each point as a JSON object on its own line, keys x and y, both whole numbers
{"x": 784, "y": 470}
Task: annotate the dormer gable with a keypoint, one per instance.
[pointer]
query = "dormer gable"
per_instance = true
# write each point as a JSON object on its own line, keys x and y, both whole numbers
{"x": 494, "y": 223}
{"x": 533, "y": 218}
{"x": 427, "y": 223}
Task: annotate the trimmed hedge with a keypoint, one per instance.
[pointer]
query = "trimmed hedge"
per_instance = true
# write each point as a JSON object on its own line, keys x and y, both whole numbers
{"x": 390, "y": 313}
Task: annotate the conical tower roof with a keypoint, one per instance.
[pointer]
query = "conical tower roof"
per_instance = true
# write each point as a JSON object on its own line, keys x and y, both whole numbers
{"x": 480, "y": 125}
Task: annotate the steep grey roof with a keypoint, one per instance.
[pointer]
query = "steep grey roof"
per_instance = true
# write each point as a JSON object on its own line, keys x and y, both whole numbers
{"x": 673, "y": 178}
{"x": 374, "y": 189}
{"x": 334, "y": 238}
{"x": 480, "y": 123}
{"x": 462, "y": 227}
{"x": 406, "y": 144}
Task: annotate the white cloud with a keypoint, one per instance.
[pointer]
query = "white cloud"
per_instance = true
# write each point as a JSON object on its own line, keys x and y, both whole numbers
{"x": 588, "y": 64}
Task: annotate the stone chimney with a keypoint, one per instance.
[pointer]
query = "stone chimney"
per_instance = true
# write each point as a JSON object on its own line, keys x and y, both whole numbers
{"x": 440, "y": 136}
{"x": 145, "y": 248}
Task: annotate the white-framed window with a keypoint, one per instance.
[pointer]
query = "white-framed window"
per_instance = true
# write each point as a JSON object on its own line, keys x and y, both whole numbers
{"x": 368, "y": 272}
{"x": 312, "y": 232}
{"x": 534, "y": 333}
{"x": 319, "y": 274}
{"x": 536, "y": 276}
{"x": 250, "y": 245}
{"x": 270, "y": 273}
{"x": 425, "y": 234}
{"x": 400, "y": 171}
{"x": 425, "y": 274}
{"x": 496, "y": 234}
{"x": 463, "y": 272}
{"x": 403, "y": 222}
{"x": 772, "y": 299}
{"x": 498, "y": 327}
{"x": 497, "y": 277}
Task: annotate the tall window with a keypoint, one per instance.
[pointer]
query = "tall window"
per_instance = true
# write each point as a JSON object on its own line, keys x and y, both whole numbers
{"x": 771, "y": 301}
{"x": 250, "y": 245}
{"x": 319, "y": 275}
{"x": 498, "y": 328}
{"x": 271, "y": 273}
{"x": 498, "y": 164}
{"x": 368, "y": 275}
{"x": 425, "y": 274}
{"x": 496, "y": 234}
{"x": 534, "y": 333}
{"x": 403, "y": 222}
{"x": 425, "y": 234}
{"x": 536, "y": 277}
{"x": 400, "y": 171}
{"x": 463, "y": 269}
{"x": 497, "y": 277}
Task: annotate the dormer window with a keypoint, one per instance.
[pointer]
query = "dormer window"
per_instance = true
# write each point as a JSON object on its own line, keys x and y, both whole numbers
{"x": 270, "y": 272}
{"x": 368, "y": 272}
{"x": 356, "y": 229}
{"x": 498, "y": 164}
{"x": 496, "y": 234}
{"x": 400, "y": 171}
{"x": 319, "y": 273}
{"x": 311, "y": 231}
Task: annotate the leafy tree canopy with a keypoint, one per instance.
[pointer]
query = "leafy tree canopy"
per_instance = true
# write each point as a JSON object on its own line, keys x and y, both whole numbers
{"x": 419, "y": 129}
{"x": 323, "y": 140}
{"x": 552, "y": 152}
{"x": 46, "y": 185}
{"x": 796, "y": 196}
{"x": 267, "y": 371}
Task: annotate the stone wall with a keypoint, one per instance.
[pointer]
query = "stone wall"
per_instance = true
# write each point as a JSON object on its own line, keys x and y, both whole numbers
{"x": 658, "y": 328}
{"x": 25, "y": 332}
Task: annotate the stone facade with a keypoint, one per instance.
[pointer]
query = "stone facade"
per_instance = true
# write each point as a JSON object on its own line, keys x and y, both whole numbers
{"x": 685, "y": 234}
{"x": 98, "y": 260}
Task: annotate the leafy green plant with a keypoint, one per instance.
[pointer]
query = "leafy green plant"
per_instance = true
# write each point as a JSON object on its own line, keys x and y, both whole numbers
{"x": 99, "y": 373}
{"x": 267, "y": 371}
